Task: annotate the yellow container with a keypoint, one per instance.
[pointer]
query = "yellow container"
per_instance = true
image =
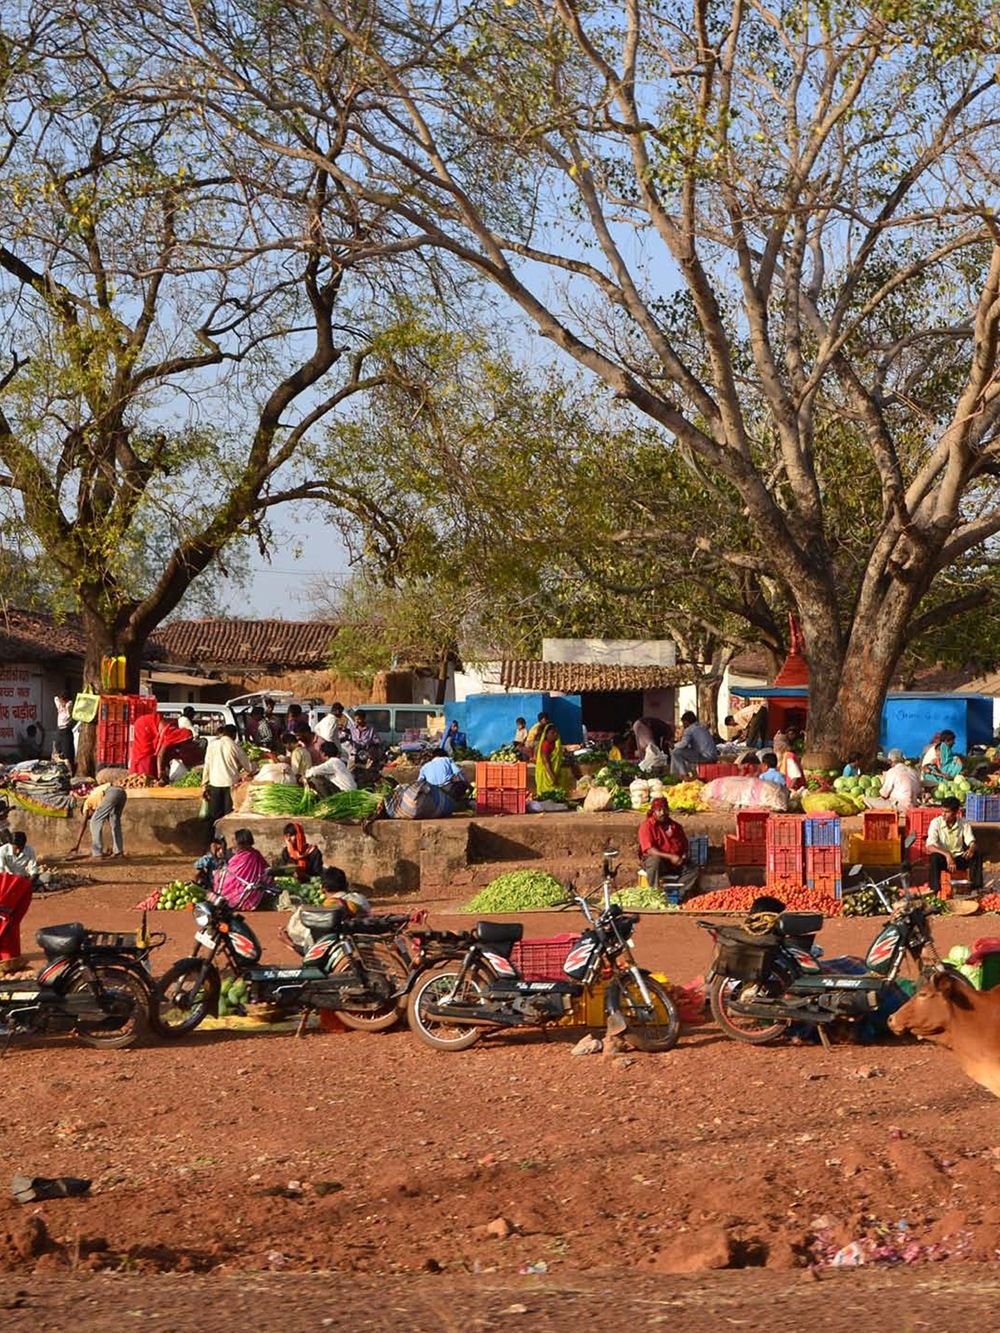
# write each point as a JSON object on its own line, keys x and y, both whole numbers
{"x": 873, "y": 851}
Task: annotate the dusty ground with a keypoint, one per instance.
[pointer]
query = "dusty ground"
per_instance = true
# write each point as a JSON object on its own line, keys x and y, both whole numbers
{"x": 254, "y": 1157}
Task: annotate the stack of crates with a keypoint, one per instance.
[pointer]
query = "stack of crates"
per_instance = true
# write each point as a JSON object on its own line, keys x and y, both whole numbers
{"x": 918, "y": 821}
{"x": 116, "y": 716}
{"x": 823, "y": 857}
{"x": 501, "y": 789}
{"x": 982, "y": 809}
{"x": 783, "y": 846}
{"x": 709, "y": 772}
{"x": 746, "y": 847}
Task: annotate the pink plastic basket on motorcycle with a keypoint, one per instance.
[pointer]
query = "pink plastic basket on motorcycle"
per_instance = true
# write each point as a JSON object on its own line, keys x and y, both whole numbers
{"x": 542, "y": 960}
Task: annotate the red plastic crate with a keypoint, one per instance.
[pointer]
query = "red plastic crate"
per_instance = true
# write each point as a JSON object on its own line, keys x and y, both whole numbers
{"x": 784, "y": 865}
{"x": 785, "y": 831}
{"x": 832, "y": 888}
{"x": 112, "y": 744}
{"x": 501, "y": 777}
{"x": 918, "y": 820}
{"x": 822, "y": 863}
{"x": 709, "y": 772}
{"x": 751, "y": 825}
{"x": 502, "y": 801}
{"x": 113, "y": 708}
{"x": 542, "y": 960}
{"x": 740, "y": 853}
{"x": 880, "y": 824}
{"x": 141, "y": 705}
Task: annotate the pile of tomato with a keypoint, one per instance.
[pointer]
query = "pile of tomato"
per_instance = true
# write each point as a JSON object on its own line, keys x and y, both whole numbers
{"x": 741, "y": 897}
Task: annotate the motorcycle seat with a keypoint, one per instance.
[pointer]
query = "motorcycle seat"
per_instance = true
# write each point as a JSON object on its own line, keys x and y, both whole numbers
{"x": 800, "y": 923}
{"x": 378, "y": 925}
{"x": 499, "y": 932}
{"x": 323, "y": 920}
{"x": 61, "y": 941}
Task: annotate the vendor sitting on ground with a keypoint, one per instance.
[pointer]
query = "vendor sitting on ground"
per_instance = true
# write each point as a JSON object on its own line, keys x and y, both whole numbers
{"x": 853, "y": 767}
{"x": 332, "y": 774}
{"x": 771, "y": 772}
{"x": 214, "y": 859}
{"x": 663, "y": 844}
{"x": 939, "y": 762}
{"x": 695, "y": 747}
{"x": 900, "y": 783}
{"x": 305, "y": 859}
{"x": 951, "y": 846}
{"x": 749, "y": 764}
{"x": 246, "y": 878}
{"x": 441, "y": 771}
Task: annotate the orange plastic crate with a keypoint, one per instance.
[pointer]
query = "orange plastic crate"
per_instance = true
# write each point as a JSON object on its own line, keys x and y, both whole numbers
{"x": 785, "y": 831}
{"x": 741, "y": 853}
{"x": 499, "y": 777}
{"x": 785, "y": 866}
{"x": 501, "y": 801}
{"x": 751, "y": 825}
{"x": 880, "y": 824}
{"x": 709, "y": 772}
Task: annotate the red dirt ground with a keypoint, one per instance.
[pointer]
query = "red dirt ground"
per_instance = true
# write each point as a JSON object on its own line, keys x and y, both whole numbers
{"x": 257, "y": 1157}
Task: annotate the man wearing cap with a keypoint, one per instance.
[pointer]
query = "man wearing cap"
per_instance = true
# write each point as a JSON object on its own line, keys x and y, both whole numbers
{"x": 663, "y": 844}
{"x": 951, "y": 846}
{"x": 900, "y": 782}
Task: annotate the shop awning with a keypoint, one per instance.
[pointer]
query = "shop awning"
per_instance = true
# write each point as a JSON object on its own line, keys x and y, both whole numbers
{"x": 581, "y": 677}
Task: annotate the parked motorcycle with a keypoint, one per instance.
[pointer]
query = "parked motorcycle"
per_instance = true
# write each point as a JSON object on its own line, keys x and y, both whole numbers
{"x": 765, "y": 975}
{"x": 451, "y": 1007}
{"x": 361, "y": 967}
{"x": 93, "y": 985}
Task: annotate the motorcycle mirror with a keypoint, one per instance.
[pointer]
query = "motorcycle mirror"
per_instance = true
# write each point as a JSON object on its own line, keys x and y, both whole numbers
{"x": 909, "y": 840}
{"x": 610, "y": 853}
{"x": 854, "y": 872}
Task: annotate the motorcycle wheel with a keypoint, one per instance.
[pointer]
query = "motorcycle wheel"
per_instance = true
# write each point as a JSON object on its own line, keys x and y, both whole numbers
{"x": 176, "y": 1009}
{"x": 127, "y": 994}
{"x": 442, "y": 1036}
{"x": 660, "y": 1033}
{"x": 739, "y": 1027}
{"x": 379, "y": 1016}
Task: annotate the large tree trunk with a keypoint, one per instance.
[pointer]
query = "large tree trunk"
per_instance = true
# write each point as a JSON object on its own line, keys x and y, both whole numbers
{"x": 104, "y": 640}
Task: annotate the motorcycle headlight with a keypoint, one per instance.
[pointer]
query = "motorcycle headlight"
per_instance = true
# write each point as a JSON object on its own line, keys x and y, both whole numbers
{"x": 202, "y": 915}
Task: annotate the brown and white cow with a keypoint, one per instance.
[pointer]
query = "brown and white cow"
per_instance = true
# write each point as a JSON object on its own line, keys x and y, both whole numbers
{"x": 951, "y": 1012}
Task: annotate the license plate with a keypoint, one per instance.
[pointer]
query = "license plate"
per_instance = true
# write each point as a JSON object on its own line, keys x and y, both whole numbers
{"x": 207, "y": 940}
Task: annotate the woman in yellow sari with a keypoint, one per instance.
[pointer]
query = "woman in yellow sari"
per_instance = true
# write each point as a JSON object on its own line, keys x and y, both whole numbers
{"x": 549, "y": 772}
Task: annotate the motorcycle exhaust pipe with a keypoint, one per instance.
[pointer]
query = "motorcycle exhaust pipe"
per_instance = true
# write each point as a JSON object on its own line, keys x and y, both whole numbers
{"x": 474, "y": 1016}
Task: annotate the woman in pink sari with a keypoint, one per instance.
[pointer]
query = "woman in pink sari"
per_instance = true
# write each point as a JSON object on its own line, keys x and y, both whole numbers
{"x": 246, "y": 876}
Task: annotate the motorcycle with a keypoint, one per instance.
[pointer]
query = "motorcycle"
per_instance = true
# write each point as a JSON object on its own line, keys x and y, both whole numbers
{"x": 766, "y": 975}
{"x": 93, "y": 985}
{"x": 452, "y": 1006}
{"x": 361, "y": 967}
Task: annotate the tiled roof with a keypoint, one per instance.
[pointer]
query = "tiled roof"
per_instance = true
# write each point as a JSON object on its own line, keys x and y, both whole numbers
{"x": 278, "y": 644}
{"x": 576, "y": 677}
{"x": 28, "y": 636}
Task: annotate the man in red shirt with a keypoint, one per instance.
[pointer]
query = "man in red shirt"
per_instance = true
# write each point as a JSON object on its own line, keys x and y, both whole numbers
{"x": 663, "y": 844}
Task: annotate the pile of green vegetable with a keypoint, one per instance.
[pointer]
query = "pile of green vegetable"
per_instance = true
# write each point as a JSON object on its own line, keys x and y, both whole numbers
{"x": 507, "y": 754}
{"x": 192, "y": 778}
{"x": 466, "y": 754}
{"x": 179, "y": 895}
{"x": 343, "y": 805}
{"x": 310, "y": 892}
{"x": 280, "y": 798}
{"x": 518, "y": 891}
{"x": 866, "y": 902}
{"x": 552, "y": 794}
{"x": 233, "y": 995}
{"x": 636, "y": 899}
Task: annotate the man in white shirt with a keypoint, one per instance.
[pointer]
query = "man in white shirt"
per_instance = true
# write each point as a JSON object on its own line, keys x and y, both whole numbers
{"x": 951, "y": 846}
{"x": 900, "y": 783}
{"x": 332, "y": 774}
{"x": 225, "y": 759}
{"x": 18, "y": 858}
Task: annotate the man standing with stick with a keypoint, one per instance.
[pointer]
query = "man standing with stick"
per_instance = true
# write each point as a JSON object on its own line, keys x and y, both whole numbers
{"x": 106, "y": 802}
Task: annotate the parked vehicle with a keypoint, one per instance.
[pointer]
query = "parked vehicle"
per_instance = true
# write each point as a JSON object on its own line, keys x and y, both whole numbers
{"x": 95, "y": 986}
{"x": 764, "y": 980}
{"x": 452, "y": 1006}
{"x": 361, "y": 967}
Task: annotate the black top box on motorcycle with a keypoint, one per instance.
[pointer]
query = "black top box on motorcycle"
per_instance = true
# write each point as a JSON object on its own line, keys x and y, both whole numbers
{"x": 59, "y": 941}
{"x": 800, "y": 923}
{"x": 745, "y": 957}
{"x": 323, "y": 921}
{"x": 499, "y": 935}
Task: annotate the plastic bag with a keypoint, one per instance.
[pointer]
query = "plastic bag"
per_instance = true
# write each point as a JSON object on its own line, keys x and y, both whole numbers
{"x": 597, "y": 799}
{"x": 85, "y": 706}
{"x": 738, "y": 792}
{"x": 653, "y": 759}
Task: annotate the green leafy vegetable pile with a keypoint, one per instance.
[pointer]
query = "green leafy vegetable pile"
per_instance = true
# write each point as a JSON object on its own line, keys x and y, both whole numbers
{"x": 192, "y": 778}
{"x": 279, "y": 798}
{"x": 517, "y": 891}
{"x": 507, "y": 754}
{"x": 347, "y": 805}
{"x": 642, "y": 900}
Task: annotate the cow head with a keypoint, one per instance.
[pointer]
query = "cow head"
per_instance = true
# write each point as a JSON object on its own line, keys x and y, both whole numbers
{"x": 930, "y": 1012}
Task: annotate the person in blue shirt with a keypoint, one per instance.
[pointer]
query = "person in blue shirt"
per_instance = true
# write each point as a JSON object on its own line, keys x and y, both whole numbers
{"x": 852, "y": 769}
{"x": 771, "y": 773}
{"x": 442, "y": 771}
{"x": 453, "y": 739}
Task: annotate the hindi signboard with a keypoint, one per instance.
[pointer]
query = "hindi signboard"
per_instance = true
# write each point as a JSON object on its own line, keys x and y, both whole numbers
{"x": 20, "y": 703}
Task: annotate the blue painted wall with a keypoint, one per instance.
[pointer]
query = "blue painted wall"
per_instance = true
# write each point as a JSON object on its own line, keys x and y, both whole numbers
{"x": 910, "y": 720}
{"x": 488, "y": 719}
